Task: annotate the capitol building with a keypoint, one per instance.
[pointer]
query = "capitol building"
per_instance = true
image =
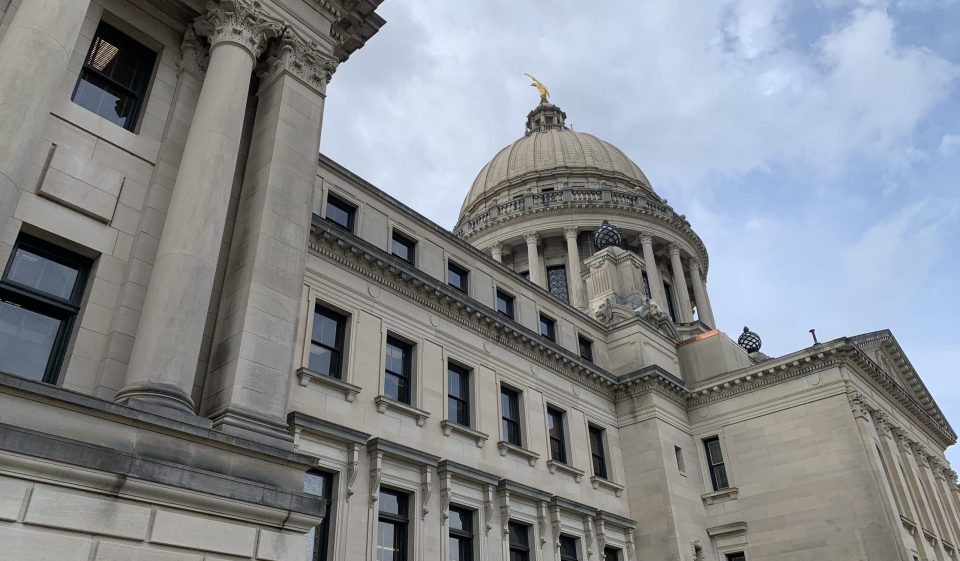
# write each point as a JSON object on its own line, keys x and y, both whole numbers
{"x": 217, "y": 346}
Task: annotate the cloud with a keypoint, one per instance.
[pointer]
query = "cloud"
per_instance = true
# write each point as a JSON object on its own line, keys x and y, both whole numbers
{"x": 949, "y": 145}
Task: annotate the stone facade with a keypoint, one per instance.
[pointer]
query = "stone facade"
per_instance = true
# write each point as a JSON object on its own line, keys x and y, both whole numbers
{"x": 249, "y": 352}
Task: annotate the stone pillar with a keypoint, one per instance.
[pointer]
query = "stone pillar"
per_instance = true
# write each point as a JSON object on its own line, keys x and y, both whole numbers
{"x": 496, "y": 251}
{"x": 533, "y": 259}
{"x": 573, "y": 268}
{"x": 165, "y": 352}
{"x": 34, "y": 53}
{"x": 680, "y": 284}
{"x": 653, "y": 275}
{"x": 255, "y": 338}
{"x": 700, "y": 295}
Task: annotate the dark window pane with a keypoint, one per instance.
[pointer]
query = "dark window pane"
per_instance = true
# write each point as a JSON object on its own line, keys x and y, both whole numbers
{"x": 557, "y": 282}
{"x": 505, "y": 304}
{"x": 718, "y": 471}
{"x": 457, "y": 277}
{"x": 547, "y": 327}
{"x": 403, "y": 247}
{"x": 326, "y": 348}
{"x": 597, "y": 453}
{"x": 558, "y": 449}
{"x": 318, "y": 538}
{"x": 586, "y": 348}
{"x": 611, "y": 554}
{"x": 568, "y": 549}
{"x": 668, "y": 292}
{"x": 43, "y": 274}
{"x": 458, "y": 399}
{"x": 27, "y": 341}
{"x": 739, "y": 556}
{"x": 340, "y": 212}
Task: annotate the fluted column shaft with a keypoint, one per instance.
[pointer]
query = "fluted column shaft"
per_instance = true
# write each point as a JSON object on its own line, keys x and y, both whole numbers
{"x": 653, "y": 275}
{"x": 700, "y": 295}
{"x": 34, "y": 53}
{"x": 680, "y": 285}
{"x": 165, "y": 352}
{"x": 496, "y": 251}
{"x": 533, "y": 259}
{"x": 573, "y": 268}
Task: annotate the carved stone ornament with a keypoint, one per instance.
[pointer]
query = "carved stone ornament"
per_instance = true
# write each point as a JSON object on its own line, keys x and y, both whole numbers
{"x": 241, "y": 22}
{"x": 353, "y": 468}
{"x": 588, "y": 535}
{"x": 857, "y": 405}
{"x": 376, "y": 473}
{"x": 193, "y": 55}
{"x": 487, "y": 510}
{"x": 651, "y": 311}
{"x": 300, "y": 58}
{"x": 426, "y": 488}
{"x": 542, "y": 522}
{"x": 600, "y": 531}
{"x": 445, "y": 484}
{"x": 505, "y": 513}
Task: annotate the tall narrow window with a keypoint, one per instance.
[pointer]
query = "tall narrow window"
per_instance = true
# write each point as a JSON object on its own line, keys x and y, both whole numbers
{"x": 461, "y": 534}
{"x": 403, "y": 247}
{"x": 519, "y": 541}
{"x": 586, "y": 348}
{"x": 40, "y": 294}
{"x": 718, "y": 471}
{"x": 114, "y": 78}
{"x": 612, "y": 554}
{"x": 568, "y": 549}
{"x": 557, "y": 282}
{"x": 457, "y": 277}
{"x": 738, "y": 556}
{"x": 458, "y": 394}
{"x": 668, "y": 294}
{"x": 398, "y": 365}
{"x": 646, "y": 284}
{"x": 326, "y": 342}
{"x": 597, "y": 453}
{"x": 340, "y": 212}
{"x": 392, "y": 528}
{"x": 510, "y": 415}
{"x": 678, "y": 452}
{"x": 505, "y": 303}
{"x": 558, "y": 444}
{"x": 318, "y": 538}
{"x": 548, "y": 327}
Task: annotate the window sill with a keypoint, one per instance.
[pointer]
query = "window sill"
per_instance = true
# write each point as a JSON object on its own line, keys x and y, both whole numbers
{"x": 554, "y": 466}
{"x": 349, "y": 390}
{"x": 383, "y": 403}
{"x": 507, "y": 448}
{"x": 720, "y": 496}
{"x": 449, "y": 427}
{"x": 599, "y": 482}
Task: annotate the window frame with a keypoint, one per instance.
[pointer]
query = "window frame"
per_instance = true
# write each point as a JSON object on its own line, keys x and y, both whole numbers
{"x": 515, "y": 408}
{"x": 510, "y": 300}
{"x": 735, "y": 556}
{"x": 583, "y": 341}
{"x": 713, "y": 468}
{"x": 551, "y": 323}
{"x": 558, "y": 418}
{"x": 322, "y": 544}
{"x": 601, "y": 454}
{"x": 401, "y": 520}
{"x": 460, "y": 534}
{"x": 340, "y": 340}
{"x": 407, "y": 364}
{"x": 574, "y": 543}
{"x": 565, "y": 296}
{"x": 406, "y": 241}
{"x": 67, "y": 311}
{"x": 341, "y": 203}
{"x": 523, "y": 549}
{"x": 463, "y": 272}
{"x": 616, "y": 551}
{"x": 466, "y": 380}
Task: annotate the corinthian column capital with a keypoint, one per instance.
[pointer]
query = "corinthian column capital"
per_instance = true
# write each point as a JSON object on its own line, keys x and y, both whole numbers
{"x": 532, "y": 238}
{"x": 300, "y": 58}
{"x": 694, "y": 265}
{"x": 674, "y": 249}
{"x": 571, "y": 232}
{"x": 241, "y": 22}
{"x": 646, "y": 238}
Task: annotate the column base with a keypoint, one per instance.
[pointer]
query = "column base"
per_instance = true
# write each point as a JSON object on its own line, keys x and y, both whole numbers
{"x": 249, "y": 425}
{"x": 165, "y": 400}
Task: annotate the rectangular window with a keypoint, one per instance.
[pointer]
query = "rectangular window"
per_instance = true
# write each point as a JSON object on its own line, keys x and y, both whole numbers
{"x": 557, "y": 282}
{"x": 611, "y": 554}
{"x": 548, "y": 327}
{"x": 738, "y": 556}
{"x": 597, "y": 453}
{"x": 458, "y": 394}
{"x": 40, "y": 295}
{"x": 115, "y": 75}
{"x": 340, "y": 212}
{"x": 457, "y": 277}
{"x": 646, "y": 284}
{"x": 568, "y": 549}
{"x": 404, "y": 247}
{"x": 392, "y": 527}
{"x": 586, "y": 348}
{"x": 668, "y": 292}
{"x": 461, "y": 534}
{"x": 398, "y": 366}
{"x": 318, "y": 538}
{"x": 680, "y": 465}
{"x": 505, "y": 303}
{"x": 519, "y": 541}
{"x": 326, "y": 342}
{"x": 718, "y": 471}
{"x": 558, "y": 444}
{"x": 510, "y": 414}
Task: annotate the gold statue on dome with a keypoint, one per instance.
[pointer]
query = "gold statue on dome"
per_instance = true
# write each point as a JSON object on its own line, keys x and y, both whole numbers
{"x": 544, "y": 92}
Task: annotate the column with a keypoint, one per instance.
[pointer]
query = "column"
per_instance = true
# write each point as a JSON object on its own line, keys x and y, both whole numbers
{"x": 653, "y": 275}
{"x": 165, "y": 352}
{"x": 700, "y": 295}
{"x": 533, "y": 259}
{"x": 34, "y": 53}
{"x": 496, "y": 251}
{"x": 573, "y": 268}
{"x": 258, "y": 314}
{"x": 680, "y": 284}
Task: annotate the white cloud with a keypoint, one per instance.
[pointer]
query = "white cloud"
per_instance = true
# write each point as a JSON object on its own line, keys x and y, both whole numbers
{"x": 949, "y": 145}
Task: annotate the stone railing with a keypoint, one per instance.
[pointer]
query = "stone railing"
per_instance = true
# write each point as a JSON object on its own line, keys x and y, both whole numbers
{"x": 564, "y": 198}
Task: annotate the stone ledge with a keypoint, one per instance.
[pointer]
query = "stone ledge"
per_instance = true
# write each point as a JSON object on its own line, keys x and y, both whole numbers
{"x": 554, "y": 466}
{"x": 384, "y": 403}
{"x": 721, "y": 496}
{"x": 350, "y": 391}
{"x": 605, "y": 483}
{"x": 450, "y": 427}
{"x": 506, "y": 448}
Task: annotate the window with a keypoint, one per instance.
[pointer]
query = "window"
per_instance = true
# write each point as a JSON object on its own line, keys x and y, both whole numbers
{"x": 318, "y": 538}
{"x": 568, "y": 549}
{"x": 505, "y": 303}
{"x": 457, "y": 276}
{"x": 40, "y": 294}
{"x": 392, "y": 526}
{"x": 519, "y": 541}
{"x": 738, "y": 556}
{"x": 557, "y": 282}
{"x": 397, "y": 370}
{"x": 611, "y": 554}
{"x": 404, "y": 247}
{"x": 510, "y": 414}
{"x": 114, "y": 78}
{"x": 668, "y": 293}
{"x": 548, "y": 327}
{"x": 340, "y": 212}
{"x": 718, "y": 472}
{"x": 646, "y": 284}
{"x": 326, "y": 342}
{"x": 679, "y": 453}
{"x": 597, "y": 453}
{"x": 558, "y": 445}
{"x": 586, "y": 348}
{"x": 461, "y": 534}
{"x": 458, "y": 394}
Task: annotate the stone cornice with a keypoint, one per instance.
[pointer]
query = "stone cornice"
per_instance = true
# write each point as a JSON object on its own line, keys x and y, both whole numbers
{"x": 241, "y": 22}
{"x": 653, "y": 378}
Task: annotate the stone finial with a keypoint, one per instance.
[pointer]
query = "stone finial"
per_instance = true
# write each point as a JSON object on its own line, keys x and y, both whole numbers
{"x": 607, "y": 235}
{"x": 241, "y": 22}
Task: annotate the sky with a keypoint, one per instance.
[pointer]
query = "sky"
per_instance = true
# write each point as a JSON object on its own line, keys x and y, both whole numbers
{"x": 813, "y": 145}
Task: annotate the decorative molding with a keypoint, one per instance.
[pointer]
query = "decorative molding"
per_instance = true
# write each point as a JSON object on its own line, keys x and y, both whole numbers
{"x": 449, "y": 427}
{"x": 376, "y": 473}
{"x": 588, "y": 535}
{"x": 554, "y": 466}
{"x": 305, "y": 376}
{"x": 446, "y": 485}
{"x": 241, "y": 22}
{"x": 506, "y": 448}
{"x": 600, "y": 531}
{"x": 194, "y": 56}
{"x": 532, "y": 238}
{"x": 353, "y": 469}
{"x": 542, "y": 522}
{"x": 302, "y": 59}
{"x": 571, "y": 232}
{"x": 601, "y": 482}
{"x": 629, "y": 541}
{"x": 857, "y": 405}
{"x": 721, "y": 496}
{"x": 384, "y": 403}
{"x": 487, "y": 509}
{"x": 426, "y": 487}
{"x": 505, "y": 513}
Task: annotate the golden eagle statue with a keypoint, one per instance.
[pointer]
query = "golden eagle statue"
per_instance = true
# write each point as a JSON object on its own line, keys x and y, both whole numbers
{"x": 544, "y": 92}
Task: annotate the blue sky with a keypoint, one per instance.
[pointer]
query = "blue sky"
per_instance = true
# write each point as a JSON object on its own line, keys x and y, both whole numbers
{"x": 813, "y": 145}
